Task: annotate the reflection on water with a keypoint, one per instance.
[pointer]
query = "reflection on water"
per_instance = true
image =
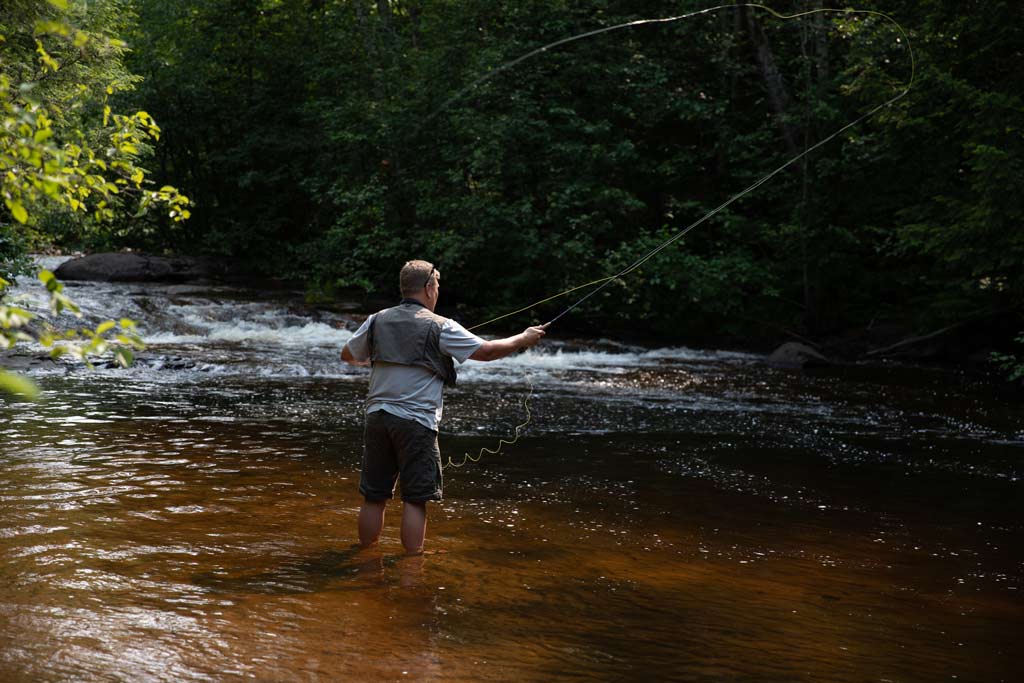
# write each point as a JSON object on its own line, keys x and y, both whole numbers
{"x": 670, "y": 514}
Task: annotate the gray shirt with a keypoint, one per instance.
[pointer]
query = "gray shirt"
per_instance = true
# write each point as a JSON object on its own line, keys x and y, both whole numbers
{"x": 411, "y": 391}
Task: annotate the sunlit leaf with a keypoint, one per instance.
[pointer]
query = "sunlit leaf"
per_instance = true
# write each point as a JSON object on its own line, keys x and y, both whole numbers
{"x": 50, "y": 280}
{"x": 17, "y": 210}
{"x": 11, "y": 316}
{"x": 18, "y": 385}
{"x": 124, "y": 356}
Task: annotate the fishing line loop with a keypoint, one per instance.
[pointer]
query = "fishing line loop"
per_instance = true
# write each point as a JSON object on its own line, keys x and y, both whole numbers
{"x": 466, "y": 457}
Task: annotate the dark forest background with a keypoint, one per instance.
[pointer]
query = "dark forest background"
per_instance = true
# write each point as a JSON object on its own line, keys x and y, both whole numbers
{"x": 310, "y": 137}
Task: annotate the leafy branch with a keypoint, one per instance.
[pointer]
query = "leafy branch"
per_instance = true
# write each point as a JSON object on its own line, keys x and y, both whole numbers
{"x": 85, "y": 172}
{"x": 16, "y": 325}
{"x": 1010, "y": 363}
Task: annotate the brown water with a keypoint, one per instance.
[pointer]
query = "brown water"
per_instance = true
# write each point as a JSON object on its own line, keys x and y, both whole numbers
{"x": 680, "y": 516}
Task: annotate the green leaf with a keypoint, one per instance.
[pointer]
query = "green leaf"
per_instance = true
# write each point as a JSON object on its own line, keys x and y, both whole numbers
{"x": 50, "y": 280}
{"x": 59, "y": 4}
{"x": 17, "y": 210}
{"x": 105, "y": 326}
{"x": 124, "y": 356}
{"x": 131, "y": 340}
{"x": 18, "y": 385}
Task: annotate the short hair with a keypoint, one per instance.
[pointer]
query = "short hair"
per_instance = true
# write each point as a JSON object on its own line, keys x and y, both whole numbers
{"x": 415, "y": 276}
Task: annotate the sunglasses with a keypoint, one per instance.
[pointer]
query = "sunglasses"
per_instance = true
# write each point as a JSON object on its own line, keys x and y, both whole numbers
{"x": 429, "y": 276}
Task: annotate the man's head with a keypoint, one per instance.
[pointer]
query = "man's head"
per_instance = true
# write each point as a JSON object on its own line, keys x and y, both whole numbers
{"x": 420, "y": 280}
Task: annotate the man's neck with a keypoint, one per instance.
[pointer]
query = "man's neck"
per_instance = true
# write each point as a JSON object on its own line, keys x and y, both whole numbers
{"x": 421, "y": 300}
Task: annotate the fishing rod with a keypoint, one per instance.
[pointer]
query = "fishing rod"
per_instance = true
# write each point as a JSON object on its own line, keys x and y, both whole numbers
{"x": 604, "y": 282}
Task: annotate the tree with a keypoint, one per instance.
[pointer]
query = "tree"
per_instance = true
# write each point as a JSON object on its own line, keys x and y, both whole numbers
{"x": 63, "y": 148}
{"x": 330, "y": 140}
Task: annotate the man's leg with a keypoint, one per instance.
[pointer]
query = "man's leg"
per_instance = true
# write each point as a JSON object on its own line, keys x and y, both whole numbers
{"x": 371, "y": 521}
{"x": 377, "y": 478}
{"x": 419, "y": 461}
{"x": 414, "y": 527}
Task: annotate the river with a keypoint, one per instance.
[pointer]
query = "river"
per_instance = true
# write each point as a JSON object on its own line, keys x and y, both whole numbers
{"x": 669, "y": 514}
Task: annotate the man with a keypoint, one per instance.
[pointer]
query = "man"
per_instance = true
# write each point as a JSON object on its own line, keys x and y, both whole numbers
{"x": 412, "y": 351}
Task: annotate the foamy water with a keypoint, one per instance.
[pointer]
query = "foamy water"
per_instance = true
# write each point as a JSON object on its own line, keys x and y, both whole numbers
{"x": 221, "y": 331}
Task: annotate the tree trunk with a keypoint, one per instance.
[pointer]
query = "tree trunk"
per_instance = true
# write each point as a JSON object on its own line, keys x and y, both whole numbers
{"x": 778, "y": 96}
{"x": 821, "y": 47}
{"x": 731, "y": 26}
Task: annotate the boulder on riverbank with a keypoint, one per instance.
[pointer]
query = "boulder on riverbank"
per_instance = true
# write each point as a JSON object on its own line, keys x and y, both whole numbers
{"x": 132, "y": 267}
{"x": 796, "y": 355}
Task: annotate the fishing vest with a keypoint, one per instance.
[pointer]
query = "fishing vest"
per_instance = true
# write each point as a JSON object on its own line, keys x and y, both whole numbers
{"x": 410, "y": 334}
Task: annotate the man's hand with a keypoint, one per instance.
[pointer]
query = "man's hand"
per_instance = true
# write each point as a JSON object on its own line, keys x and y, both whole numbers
{"x": 499, "y": 348}
{"x": 532, "y": 335}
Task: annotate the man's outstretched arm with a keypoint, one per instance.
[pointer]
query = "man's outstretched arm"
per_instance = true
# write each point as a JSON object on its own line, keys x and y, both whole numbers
{"x": 499, "y": 348}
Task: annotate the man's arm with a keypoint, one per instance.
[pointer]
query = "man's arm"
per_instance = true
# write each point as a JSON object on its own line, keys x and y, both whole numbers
{"x": 499, "y": 348}
{"x": 346, "y": 355}
{"x": 357, "y": 350}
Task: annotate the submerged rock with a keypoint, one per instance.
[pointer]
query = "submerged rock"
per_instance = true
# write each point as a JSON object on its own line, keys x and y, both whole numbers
{"x": 131, "y": 267}
{"x": 16, "y": 362}
{"x": 796, "y": 355}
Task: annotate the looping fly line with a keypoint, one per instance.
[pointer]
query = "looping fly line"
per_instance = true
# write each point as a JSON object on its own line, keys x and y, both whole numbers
{"x": 601, "y": 283}
{"x": 466, "y": 457}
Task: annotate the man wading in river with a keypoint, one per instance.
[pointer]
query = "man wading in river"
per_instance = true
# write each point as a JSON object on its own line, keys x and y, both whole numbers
{"x": 412, "y": 351}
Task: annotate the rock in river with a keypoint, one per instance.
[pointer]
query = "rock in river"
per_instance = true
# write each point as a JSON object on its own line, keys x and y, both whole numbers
{"x": 130, "y": 267}
{"x": 796, "y": 355}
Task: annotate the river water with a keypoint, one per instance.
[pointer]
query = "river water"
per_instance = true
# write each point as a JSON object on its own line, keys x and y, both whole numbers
{"x": 669, "y": 514}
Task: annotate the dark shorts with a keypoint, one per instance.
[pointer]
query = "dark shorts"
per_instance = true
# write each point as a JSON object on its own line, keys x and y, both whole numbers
{"x": 396, "y": 449}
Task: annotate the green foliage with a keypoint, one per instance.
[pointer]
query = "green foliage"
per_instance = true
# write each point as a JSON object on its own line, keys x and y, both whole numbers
{"x": 313, "y": 137}
{"x": 19, "y": 324}
{"x": 1010, "y": 363}
{"x": 63, "y": 150}
{"x": 16, "y": 385}
{"x": 65, "y": 154}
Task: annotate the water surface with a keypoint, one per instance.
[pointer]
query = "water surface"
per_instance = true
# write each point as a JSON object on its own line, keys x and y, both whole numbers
{"x": 669, "y": 514}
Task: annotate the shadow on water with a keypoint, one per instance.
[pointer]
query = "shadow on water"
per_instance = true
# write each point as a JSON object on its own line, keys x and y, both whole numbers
{"x": 352, "y": 569}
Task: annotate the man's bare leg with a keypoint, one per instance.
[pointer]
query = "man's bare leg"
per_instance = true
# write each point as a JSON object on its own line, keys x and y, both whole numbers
{"x": 371, "y": 521}
{"x": 414, "y": 527}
